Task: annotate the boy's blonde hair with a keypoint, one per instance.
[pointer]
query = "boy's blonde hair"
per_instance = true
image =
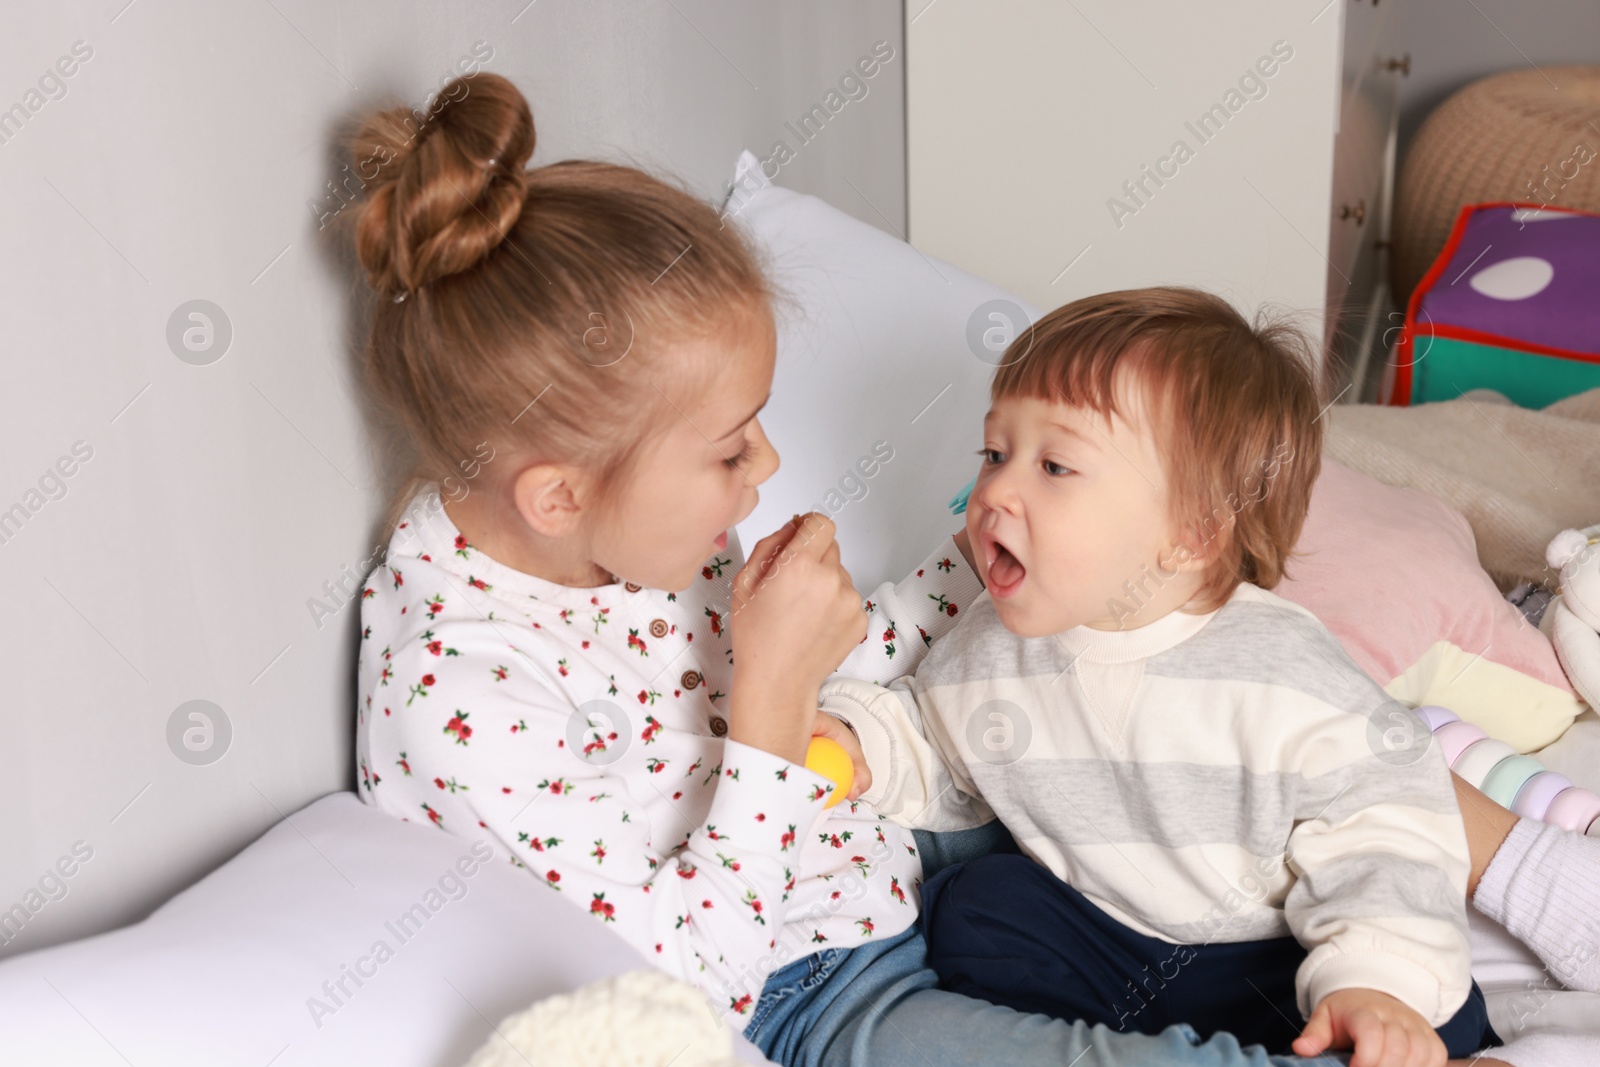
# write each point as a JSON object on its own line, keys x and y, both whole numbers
{"x": 1234, "y": 408}
{"x": 529, "y": 307}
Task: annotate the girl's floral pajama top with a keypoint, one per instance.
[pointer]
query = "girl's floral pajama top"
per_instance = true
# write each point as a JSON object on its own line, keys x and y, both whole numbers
{"x": 583, "y": 731}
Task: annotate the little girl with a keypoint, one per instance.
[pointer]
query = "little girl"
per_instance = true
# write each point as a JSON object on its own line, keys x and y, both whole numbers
{"x": 578, "y": 354}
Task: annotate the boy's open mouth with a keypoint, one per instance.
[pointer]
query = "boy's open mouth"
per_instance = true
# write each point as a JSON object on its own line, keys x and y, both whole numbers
{"x": 1005, "y": 570}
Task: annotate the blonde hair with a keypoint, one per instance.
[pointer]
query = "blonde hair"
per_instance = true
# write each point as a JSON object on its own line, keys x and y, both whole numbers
{"x": 530, "y": 307}
{"x": 1230, "y": 403}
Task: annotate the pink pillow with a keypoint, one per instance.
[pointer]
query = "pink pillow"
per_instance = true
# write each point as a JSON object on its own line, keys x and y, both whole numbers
{"x": 1394, "y": 573}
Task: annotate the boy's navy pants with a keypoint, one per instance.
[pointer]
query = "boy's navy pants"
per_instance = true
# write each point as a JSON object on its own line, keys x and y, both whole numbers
{"x": 1003, "y": 928}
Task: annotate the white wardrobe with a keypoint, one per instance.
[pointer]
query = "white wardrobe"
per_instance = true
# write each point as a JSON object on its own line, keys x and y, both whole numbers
{"x": 1064, "y": 147}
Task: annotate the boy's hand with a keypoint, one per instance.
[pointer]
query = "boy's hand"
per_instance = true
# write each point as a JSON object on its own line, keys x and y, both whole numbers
{"x": 1384, "y": 1031}
{"x": 830, "y": 727}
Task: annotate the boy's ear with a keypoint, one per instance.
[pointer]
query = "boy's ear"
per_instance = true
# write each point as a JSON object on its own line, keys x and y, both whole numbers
{"x": 1198, "y": 545}
{"x": 550, "y": 498}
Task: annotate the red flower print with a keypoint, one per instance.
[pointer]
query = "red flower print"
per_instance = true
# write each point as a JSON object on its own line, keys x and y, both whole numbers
{"x": 895, "y": 890}
{"x": 458, "y": 726}
{"x": 552, "y": 876}
{"x": 716, "y": 622}
{"x": 478, "y": 583}
{"x": 418, "y": 690}
{"x": 787, "y": 839}
{"x": 651, "y": 728}
{"x": 435, "y": 605}
{"x": 742, "y": 1004}
{"x": 437, "y": 647}
{"x": 866, "y": 927}
{"x": 944, "y": 564}
{"x": 561, "y": 665}
{"x": 755, "y": 906}
{"x": 438, "y": 820}
{"x": 943, "y": 603}
{"x": 598, "y": 906}
{"x": 705, "y": 904}
{"x": 636, "y": 642}
{"x": 499, "y": 673}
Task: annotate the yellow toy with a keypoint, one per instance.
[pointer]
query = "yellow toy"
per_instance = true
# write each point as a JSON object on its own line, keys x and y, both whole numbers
{"x": 828, "y": 758}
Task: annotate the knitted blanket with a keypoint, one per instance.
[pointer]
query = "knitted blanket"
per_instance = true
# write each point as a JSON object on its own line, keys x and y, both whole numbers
{"x": 1519, "y": 476}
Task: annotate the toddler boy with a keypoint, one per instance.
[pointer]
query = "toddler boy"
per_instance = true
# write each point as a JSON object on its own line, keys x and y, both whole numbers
{"x": 1218, "y": 825}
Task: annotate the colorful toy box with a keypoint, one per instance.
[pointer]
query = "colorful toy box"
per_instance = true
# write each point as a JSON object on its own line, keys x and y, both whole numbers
{"x": 1512, "y": 304}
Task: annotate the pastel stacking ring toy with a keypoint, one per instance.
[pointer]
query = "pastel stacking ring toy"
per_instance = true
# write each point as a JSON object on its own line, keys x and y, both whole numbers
{"x": 1480, "y": 758}
{"x": 1574, "y": 809}
{"x": 1513, "y": 781}
{"x": 1534, "y": 799}
{"x": 1456, "y": 737}
{"x": 1433, "y": 716}
{"x": 1505, "y": 781}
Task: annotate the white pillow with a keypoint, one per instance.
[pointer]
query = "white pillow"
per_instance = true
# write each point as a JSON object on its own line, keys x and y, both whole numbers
{"x": 892, "y": 346}
{"x": 231, "y": 971}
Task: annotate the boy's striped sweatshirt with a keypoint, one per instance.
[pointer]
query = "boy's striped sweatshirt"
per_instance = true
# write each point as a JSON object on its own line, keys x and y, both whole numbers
{"x": 1223, "y": 777}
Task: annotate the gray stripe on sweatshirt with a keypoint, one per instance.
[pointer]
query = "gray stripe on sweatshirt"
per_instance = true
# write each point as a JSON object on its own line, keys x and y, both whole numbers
{"x": 1177, "y": 805}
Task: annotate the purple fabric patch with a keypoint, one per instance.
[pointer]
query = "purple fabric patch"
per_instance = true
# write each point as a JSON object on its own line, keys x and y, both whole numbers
{"x": 1524, "y": 274}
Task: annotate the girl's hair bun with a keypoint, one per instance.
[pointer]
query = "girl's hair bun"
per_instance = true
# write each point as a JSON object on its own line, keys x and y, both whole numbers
{"x": 447, "y": 182}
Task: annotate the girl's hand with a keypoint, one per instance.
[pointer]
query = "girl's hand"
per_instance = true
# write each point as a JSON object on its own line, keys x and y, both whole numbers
{"x": 830, "y": 727}
{"x": 795, "y": 616}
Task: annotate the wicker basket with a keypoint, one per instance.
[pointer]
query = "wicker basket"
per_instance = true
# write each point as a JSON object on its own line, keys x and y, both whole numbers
{"x": 1509, "y": 136}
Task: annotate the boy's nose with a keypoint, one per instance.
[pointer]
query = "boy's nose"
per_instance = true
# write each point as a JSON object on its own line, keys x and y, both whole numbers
{"x": 995, "y": 493}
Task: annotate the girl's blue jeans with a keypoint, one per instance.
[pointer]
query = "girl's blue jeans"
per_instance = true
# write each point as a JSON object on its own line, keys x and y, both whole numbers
{"x": 880, "y": 1005}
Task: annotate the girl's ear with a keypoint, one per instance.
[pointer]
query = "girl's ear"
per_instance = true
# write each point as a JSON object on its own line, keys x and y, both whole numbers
{"x": 548, "y": 498}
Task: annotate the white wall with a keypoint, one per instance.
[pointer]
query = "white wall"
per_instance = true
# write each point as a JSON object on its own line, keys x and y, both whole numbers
{"x": 1026, "y": 118}
{"x": 217, "y": 499}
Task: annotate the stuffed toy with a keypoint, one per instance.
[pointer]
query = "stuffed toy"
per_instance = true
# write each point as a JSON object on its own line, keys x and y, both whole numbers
{"x": 643, "y": 1018}
{"x": 1572, "y": 621}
